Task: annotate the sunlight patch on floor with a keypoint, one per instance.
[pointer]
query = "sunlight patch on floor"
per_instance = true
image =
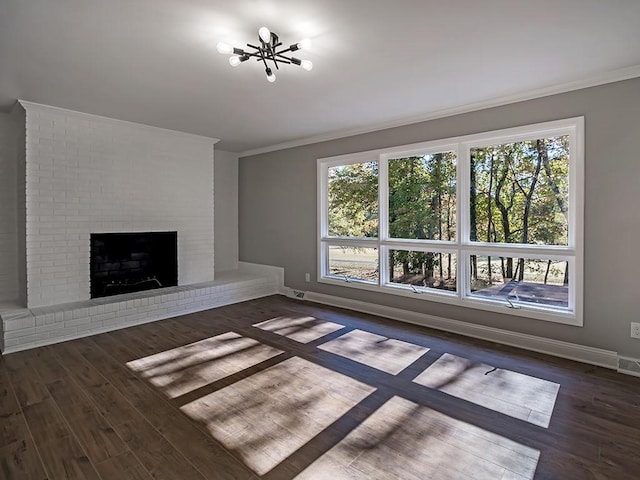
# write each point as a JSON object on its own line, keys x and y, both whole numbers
{"x": 403, "y": 440}
{"x": 513, "y": 394}
{"x": 181, "y": 370}
{"x": 386, "y": 354}
{"x": 268, "y": 416}
{"x": 300, "y": 329}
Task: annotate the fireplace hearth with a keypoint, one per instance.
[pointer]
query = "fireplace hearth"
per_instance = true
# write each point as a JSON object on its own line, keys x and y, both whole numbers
{"x": 132, "y": 262}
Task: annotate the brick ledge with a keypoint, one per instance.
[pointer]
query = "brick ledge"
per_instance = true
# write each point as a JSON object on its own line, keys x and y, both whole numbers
{"x": 29, "y": 328}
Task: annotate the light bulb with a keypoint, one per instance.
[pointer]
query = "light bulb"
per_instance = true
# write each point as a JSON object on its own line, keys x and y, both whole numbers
{"x": 224, "y": 48}
{"x": 234, "y": 61}
{"x": 307, "y": 65}
{"x": 265, "y": 34}
{"x": 270, "y": 75}
{"x": 304, "y": 44}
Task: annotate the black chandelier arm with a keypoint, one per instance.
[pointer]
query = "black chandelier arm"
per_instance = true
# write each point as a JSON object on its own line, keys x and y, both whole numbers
{"x": 264, "y": 60}
{"x": 284, "y": 59}
{"x": 290, "y": 49}
{"x": 265, "y": 53}
{"x": 247, "y": 55}
{"x": 274, "y": 60}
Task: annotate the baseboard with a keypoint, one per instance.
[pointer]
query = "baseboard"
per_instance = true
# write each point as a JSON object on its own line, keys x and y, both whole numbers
{"x": 571, "y": 351}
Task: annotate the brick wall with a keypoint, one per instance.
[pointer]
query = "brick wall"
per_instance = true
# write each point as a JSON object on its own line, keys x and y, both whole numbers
{"x": 28, "y": 328}
{"x": 88, "y": 174}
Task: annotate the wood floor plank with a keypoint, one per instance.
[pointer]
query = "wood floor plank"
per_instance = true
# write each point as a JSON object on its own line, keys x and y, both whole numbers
{"x": 137, "y": 391}
{"x": 13, "y": 427}
{"x": 106, "y": 406}
{"x": 8, "y": 402}
{"x": 28, "y": 387}
{"x": 61, "y": 454}
{"x": 66, "y": 460}
{"x": 86, "y": 374}
{"x": 97, "y": 436}
{"x": 155, "y": 453}
{"x": 45, "y": 422}
{"x": 47, "y": 366}
{"x": 112, "y": 404}
{"x": 181, "y": 325}
{"x": 20, "y": 461}
{"x": 207, "y": 455}
{"x": 123, "y": 467}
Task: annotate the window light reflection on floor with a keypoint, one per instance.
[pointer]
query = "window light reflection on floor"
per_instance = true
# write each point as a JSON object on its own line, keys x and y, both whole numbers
{"x": 377, "y": 351}
{"x": 268, "y": 414}
{"x": 266, "y": 417}
{"x": 300, "y": 329}
{"x": 184, "y": 369}
{"x": 402, "y": 438}
{"x": 513, "y": 394}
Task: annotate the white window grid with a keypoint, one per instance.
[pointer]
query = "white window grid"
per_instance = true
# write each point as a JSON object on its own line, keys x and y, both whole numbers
{"x": 462, "y": 246}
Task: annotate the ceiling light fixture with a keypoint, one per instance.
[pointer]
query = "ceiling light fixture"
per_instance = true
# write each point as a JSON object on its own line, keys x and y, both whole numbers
{"x": 268, "y": 51}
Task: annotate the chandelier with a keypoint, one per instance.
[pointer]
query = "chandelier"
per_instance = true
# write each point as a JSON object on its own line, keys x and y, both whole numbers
{"x": 269, "y": 51}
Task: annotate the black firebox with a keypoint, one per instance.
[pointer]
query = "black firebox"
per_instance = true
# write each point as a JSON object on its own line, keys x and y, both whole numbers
{"x": 132, "y": 262}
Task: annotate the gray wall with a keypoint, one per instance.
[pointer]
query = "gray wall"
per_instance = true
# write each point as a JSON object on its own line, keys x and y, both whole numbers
{"x": 19, "y": 122}
{"x": 8, "y": 210}
{"x": 226, "y": 210}
{"x": 277, "y": 210}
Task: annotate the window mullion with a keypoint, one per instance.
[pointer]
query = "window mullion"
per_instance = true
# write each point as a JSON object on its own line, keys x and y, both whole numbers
{"x": 463, "y": 186}
{"x": 383, "y": 199}
{"x": 517, "y": 250}
{"x": 383, "y": 264}
{"x": 383, "y": 219}
{"x": 323, "y": 201}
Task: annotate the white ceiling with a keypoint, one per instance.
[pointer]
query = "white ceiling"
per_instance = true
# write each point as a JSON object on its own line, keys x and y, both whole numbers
{"x": 375, "y": 62}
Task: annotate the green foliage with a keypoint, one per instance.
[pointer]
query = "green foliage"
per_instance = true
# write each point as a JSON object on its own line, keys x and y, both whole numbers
{"x": 353, "y": 200}
{"x": 422, "y": 202}
{"x": 520, "y": 193}
{"x": 422, "y": 194}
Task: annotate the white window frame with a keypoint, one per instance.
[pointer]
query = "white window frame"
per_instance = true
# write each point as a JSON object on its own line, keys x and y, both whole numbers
{"x": 461, "y": 245}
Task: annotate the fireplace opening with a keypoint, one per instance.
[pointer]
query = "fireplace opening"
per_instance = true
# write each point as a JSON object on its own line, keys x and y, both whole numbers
{"x": 132, "y": 262}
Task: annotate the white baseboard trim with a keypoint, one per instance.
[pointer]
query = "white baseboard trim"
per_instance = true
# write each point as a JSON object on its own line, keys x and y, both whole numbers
{"x": 571, "y": 351}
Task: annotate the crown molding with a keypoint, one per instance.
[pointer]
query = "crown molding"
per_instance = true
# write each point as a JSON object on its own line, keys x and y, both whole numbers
{"x": 611, "y": 76}
{"x": 32, "y": 106}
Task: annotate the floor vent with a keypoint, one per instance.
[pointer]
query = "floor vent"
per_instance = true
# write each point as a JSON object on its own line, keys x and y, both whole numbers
{"x": 629, "y": 366}
{"x": 298, "y": 294}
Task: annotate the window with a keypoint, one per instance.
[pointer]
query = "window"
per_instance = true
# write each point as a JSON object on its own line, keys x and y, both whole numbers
{"x": 490, "y": 221}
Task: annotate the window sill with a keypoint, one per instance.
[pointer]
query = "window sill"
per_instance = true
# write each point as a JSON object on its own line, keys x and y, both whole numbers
{"x": 451, "y": 298}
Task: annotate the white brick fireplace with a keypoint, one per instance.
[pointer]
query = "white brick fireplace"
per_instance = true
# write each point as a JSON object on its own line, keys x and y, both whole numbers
{"x": 78, "y": 175}
{"x": 88, "y": 174}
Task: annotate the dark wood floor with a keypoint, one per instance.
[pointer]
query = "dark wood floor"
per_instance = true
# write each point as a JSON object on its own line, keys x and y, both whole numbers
{"x": 279, "y": 389}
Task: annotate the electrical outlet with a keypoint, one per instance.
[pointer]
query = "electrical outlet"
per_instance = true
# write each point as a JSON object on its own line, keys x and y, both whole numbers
{"x": 307, "y": 277}
{"x": 635, "y": 330}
